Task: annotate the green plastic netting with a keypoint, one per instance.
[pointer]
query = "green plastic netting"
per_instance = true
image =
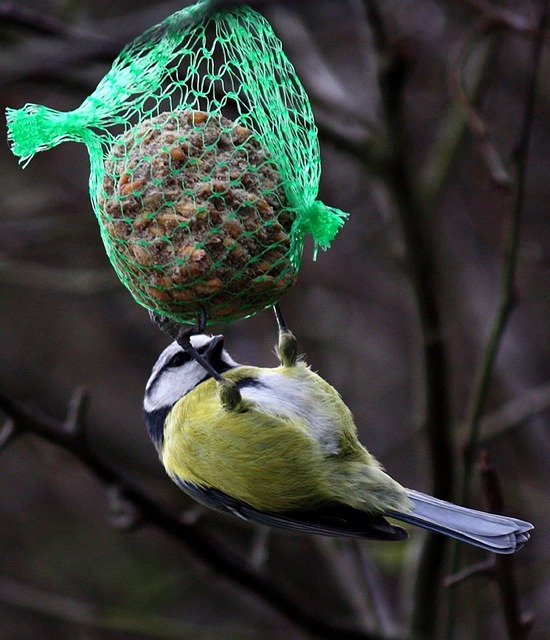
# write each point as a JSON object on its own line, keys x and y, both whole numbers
{"x": 204, "y": 162}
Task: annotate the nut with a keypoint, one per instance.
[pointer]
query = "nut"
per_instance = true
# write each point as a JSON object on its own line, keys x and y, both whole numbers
{"x": 131, "y": 187}
{"x": 176, "y": 153}
{"x": 197, "y": 117}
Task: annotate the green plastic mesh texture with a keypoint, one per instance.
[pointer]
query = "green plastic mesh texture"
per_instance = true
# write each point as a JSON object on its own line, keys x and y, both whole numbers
{"x": 204, "y": 164}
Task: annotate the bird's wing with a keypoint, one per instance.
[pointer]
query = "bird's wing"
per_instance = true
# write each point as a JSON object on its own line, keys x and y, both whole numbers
{"x": 338, "y": 520}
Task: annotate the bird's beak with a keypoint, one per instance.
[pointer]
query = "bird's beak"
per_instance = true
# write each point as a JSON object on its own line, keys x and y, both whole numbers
{"x": 213, "y": 351}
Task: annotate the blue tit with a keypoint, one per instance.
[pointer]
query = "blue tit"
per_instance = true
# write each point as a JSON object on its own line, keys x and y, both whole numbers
{"x": 279, "y": 447}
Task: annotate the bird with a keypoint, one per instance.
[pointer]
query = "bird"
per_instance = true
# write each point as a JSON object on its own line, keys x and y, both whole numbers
{"x": 279, "y": 447}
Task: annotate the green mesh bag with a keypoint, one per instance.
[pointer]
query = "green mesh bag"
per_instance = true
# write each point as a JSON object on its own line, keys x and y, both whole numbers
{"x": 204, "y": 162}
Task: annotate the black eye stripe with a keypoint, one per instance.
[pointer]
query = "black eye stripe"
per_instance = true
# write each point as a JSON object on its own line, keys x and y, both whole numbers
{"x": 178, "y": 359}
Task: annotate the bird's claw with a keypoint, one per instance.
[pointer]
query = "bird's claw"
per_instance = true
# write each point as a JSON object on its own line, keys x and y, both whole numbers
{"x": 230, "y": 395}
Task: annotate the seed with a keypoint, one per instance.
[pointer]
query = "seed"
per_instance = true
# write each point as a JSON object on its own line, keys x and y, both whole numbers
{"x": 176, "y": 153}
{"x": 237, "y": 252}
{"x": 204, "y": 190}
{"x": 185, "y": 209}
{"x": 209, "y": 286}
{"x": 124, "y": 179}
{"x": 219, "y": 186}
{"x": 197, "y": 117}
{"x": 233, "y": 227}
{"x": 158, "y": 294}
{"x": 140, "y": 254}
{"x": 146, "y": 135}
{"x": 142, "y": 221}
{"x": 241, "y": 133}
{"x": 197, "y": 255}
{"x": 131, "y": 187}
{"x": 277, "y": 234}
{"x": 183, "y": 294}
{"x": 185, "y": 251}
{"x": 262, "y": 205}
{"x": 169, "y": 220}
{"x": 118, "y": 229}
{"x": 225, "y": 310}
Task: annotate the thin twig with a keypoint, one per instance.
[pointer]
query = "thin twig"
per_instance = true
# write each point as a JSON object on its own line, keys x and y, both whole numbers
{"x": 453, "y": 128}
{"x": 484, "y": 568}
{"x": 208, "y": 550}
{"x": 512, "y": 413}
{"x": 493, "y": 20}
{"x": 503, "y": 17}
{"x": 489, "y": 154}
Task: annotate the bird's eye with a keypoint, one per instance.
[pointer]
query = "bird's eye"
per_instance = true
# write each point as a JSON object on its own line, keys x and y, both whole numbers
{"x": 178, "y": 359}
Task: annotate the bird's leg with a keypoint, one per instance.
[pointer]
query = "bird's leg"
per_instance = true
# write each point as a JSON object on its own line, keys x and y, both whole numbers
{"x": 287, "y": 348}
{"x": 230, "y": 395}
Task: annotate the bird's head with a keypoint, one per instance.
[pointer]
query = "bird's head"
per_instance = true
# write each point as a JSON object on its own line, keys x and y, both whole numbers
{"x": 176, "y": 373}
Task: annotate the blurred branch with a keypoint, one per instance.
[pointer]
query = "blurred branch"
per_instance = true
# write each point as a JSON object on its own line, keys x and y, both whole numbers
{"x": 64, "y": 279}
{"x": 78, "y": 46}
{"x": 348, "y": 577}
{"x": 70, "y": 435}
{"x": 495, "y": 15}
{"x": 489, "y": 154}
{"x": 15, "y": 15}
{"x": 359, "y": 580}
{"x": 507, "y": 292}
{"x": 517, "y": 624}
{"x": 108, "y": 617}
{"x": 452, "y": 129}
{"x": 485, "y": 567}
{"x": 514, "y": 412}
{"x": 476, "y": 52}
{"x": 499, "y": 568}
{"x": 379, "y": 592}
{"x": 507, "y": 286}
{"x": 324, "y": 86}
{"x": 422, "y": 268}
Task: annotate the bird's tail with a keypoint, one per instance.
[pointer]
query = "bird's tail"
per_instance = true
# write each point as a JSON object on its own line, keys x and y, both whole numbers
{"x": 499, "y": 534}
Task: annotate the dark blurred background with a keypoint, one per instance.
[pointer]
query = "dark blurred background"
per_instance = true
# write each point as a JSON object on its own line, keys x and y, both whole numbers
{"x": 66, "y": 322}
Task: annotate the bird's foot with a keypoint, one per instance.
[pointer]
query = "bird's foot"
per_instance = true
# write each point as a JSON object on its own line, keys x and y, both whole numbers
{"x": 287, "y": 347}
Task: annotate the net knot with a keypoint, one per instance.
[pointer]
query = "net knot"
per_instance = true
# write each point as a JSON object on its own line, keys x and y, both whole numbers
{"x": 35, "y": 128}
{"x": 322, "y": 222}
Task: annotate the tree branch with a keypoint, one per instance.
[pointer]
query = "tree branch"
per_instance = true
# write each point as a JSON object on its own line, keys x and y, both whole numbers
{"x": 69, "y": 435}
{"x": 422, "y": 269}
{"x": 507, "y": 292}
{"x": 507, "y": 285}
{"x": 517, "y": 624}
{"x": 112, "y": 618}
{"x": 488, "y": 152}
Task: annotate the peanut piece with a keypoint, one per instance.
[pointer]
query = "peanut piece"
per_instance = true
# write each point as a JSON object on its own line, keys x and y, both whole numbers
{"x": 131, "y": 187}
